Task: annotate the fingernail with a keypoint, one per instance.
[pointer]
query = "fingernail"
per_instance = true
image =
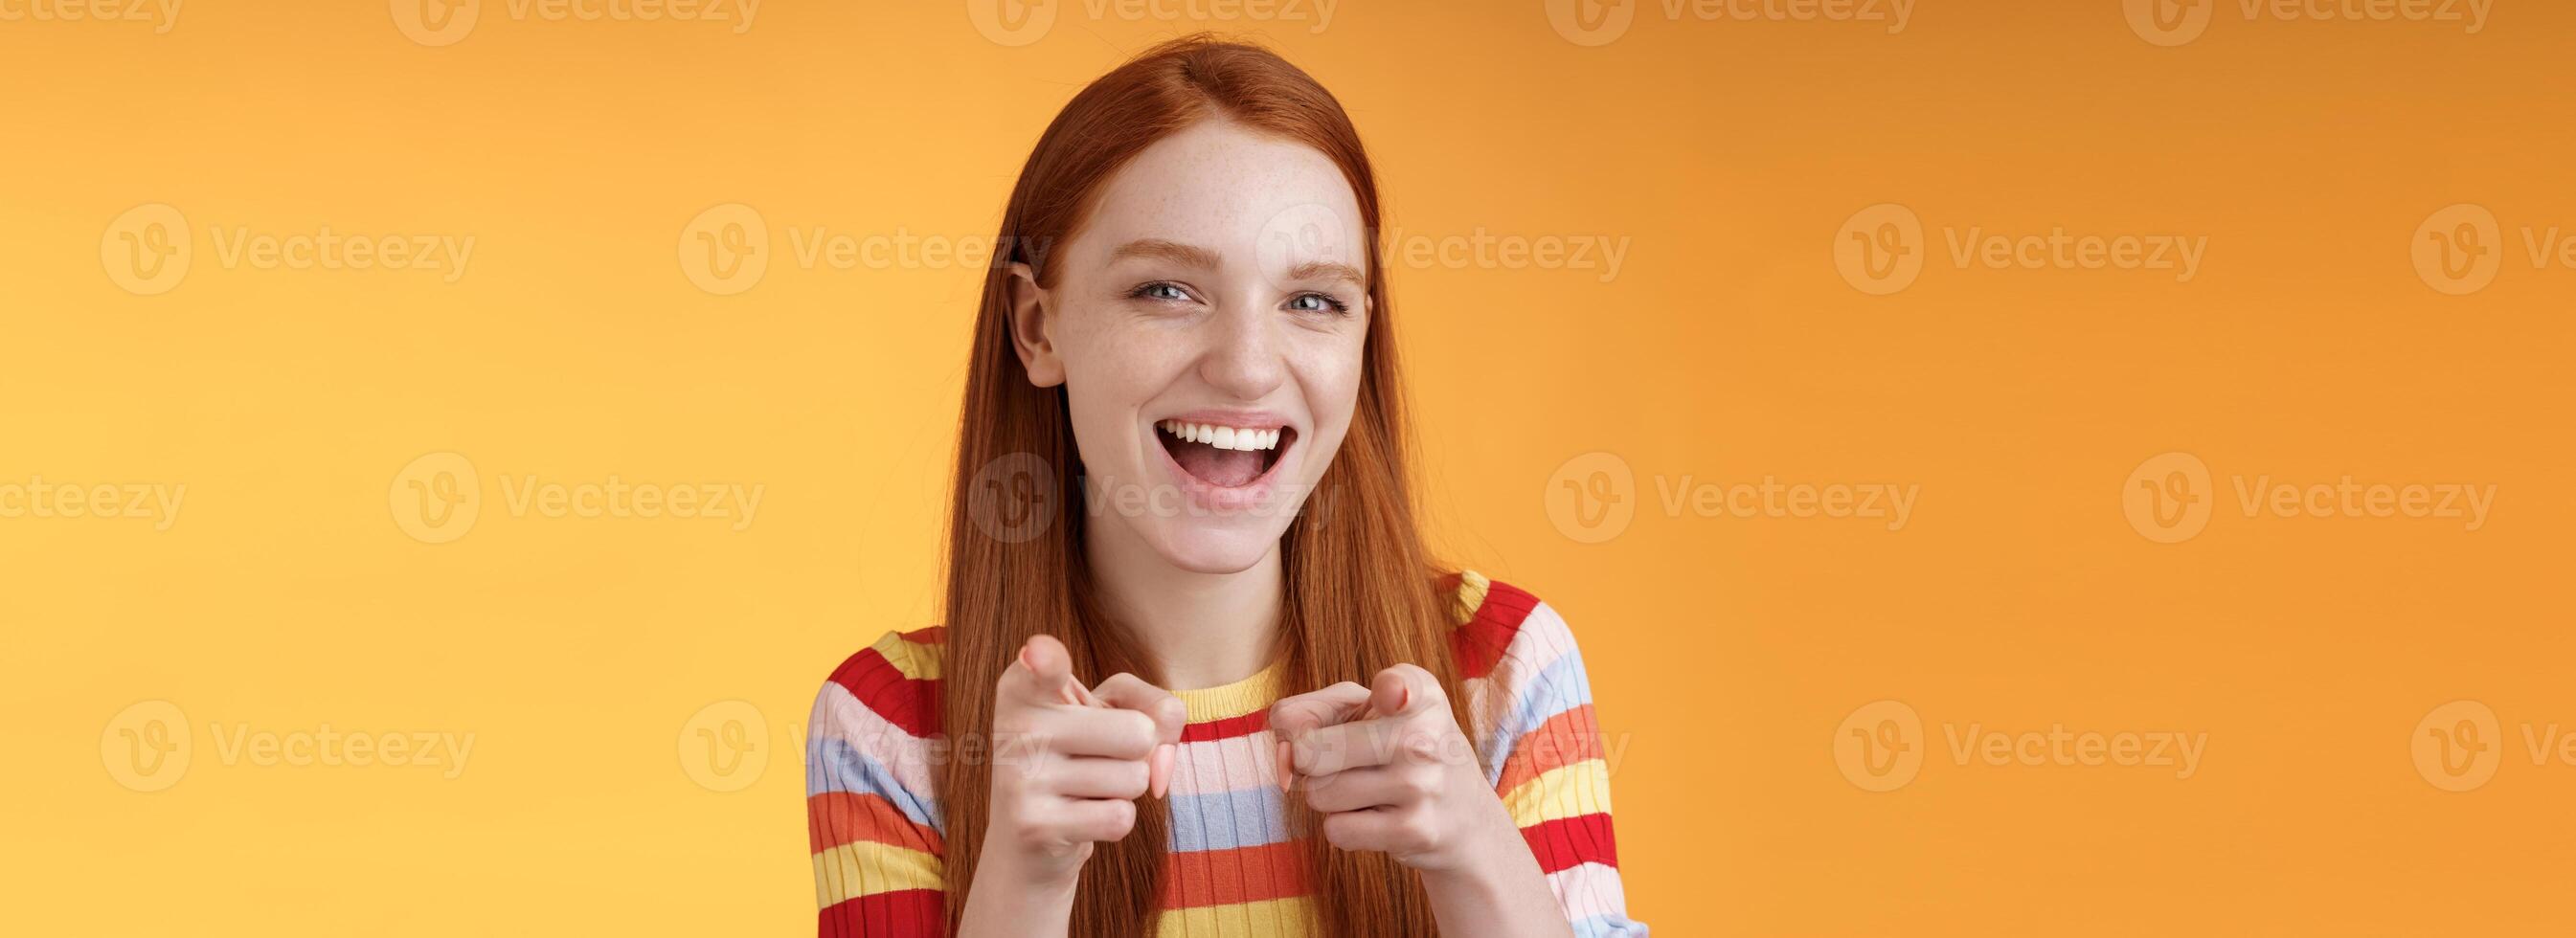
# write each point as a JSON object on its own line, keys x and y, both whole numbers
{"x": 1162, "y": 770}
{"x": 1287, "y": 764}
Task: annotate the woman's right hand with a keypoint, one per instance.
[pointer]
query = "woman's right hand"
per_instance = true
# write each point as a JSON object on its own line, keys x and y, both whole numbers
{"x": 1070, "y": 762}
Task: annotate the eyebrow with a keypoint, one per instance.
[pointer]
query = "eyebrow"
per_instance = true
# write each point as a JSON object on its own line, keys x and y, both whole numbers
{"x": 1159, "y": 249}
{"x": 1195, "y": 256}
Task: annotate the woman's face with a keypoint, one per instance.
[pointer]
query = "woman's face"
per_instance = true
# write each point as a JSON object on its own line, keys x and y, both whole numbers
{"x": 1207, "y": 323}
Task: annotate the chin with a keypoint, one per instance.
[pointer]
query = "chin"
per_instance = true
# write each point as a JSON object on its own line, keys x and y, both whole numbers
{"x": 1209, "y": 545}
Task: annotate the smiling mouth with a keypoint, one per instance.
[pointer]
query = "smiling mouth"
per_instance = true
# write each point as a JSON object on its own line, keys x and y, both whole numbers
{"x": 1223, "y": 456}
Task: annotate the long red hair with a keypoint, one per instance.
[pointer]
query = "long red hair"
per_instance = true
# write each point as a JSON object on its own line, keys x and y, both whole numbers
{"x": 1360, "y": 585}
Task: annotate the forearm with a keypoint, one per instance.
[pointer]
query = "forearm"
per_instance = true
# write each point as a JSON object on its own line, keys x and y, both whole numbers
{"x": 1004, "y": 902}
{"x": 1498, "y": 891}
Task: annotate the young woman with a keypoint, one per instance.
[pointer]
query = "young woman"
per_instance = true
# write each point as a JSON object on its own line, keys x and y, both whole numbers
{"x": 1181, "y": 465}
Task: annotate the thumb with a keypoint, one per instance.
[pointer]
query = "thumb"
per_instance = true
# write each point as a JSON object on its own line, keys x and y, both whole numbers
{"x": 1314, "y": 710}
{"x": 1046, "y": 671}
{"x": 1402, "y": 689}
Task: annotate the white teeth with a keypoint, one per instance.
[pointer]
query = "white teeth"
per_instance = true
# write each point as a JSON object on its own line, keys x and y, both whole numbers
{"x": 1224, "y": 437}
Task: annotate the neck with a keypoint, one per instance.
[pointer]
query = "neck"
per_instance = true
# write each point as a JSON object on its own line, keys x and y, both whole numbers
{"x": 1200, "y": 629}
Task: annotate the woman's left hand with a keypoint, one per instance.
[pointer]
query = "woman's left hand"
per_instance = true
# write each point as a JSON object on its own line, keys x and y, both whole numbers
{"x": 1389, "y": 770}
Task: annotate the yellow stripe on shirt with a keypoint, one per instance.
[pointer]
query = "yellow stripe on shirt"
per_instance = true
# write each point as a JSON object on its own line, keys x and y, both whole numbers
{"x": 1271, "y": 918}
{"x": 1562, "y": 792}
{"x": 865, "y": 868}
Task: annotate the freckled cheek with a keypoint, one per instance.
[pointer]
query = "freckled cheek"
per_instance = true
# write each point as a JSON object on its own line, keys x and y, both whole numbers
{"x": 1127, "y": 365}
{"x": 1328, "y": 370}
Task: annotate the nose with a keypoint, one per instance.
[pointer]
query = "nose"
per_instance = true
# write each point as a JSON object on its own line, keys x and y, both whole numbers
{"x": 1241, "y": 357}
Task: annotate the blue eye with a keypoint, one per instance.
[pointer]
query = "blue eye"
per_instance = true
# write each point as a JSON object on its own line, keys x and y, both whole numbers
{"x": 1160, "y": 290}
{"x": 1318, "y": 303}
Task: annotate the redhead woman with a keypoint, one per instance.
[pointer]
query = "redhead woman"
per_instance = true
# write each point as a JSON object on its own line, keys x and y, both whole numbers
{"x": 1197, "y": 674}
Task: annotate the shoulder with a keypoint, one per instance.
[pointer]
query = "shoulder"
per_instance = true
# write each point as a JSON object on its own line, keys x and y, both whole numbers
{"x": 895, "y": 678}
{"x": 1501, "y": 627}
{"x": 874, "y": 726}
{"x": 1518, "y": 665}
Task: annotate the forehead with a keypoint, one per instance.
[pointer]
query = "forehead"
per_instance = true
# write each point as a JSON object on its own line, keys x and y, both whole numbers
{"x": 1222, "y": 186}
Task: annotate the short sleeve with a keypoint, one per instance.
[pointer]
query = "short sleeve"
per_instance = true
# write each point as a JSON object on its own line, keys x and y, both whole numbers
{"x": 876, "y": 833}
{"x": 1542, "y": 748}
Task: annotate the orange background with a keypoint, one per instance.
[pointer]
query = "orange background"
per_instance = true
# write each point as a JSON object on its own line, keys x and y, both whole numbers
{"x": 288, "y": 591}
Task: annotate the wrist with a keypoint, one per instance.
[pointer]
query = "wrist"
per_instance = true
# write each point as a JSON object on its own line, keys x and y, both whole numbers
{"x": 1491, "y": 851}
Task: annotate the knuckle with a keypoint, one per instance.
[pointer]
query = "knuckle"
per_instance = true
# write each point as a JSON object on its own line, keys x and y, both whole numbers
{"x": 1137, "y": 729}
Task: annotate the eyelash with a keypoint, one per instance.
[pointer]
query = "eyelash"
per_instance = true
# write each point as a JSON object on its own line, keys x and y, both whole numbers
{"x": 1144, "y": 291}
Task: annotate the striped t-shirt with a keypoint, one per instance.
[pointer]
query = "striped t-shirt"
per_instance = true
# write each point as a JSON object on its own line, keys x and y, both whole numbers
{"x": 1232, "y": 870}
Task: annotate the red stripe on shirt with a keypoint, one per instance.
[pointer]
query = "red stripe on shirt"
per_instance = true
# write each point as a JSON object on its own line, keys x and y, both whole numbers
{"x": 910, "y": 704}
{"x": 900, "y": 914}
{"x": 1227, "y": 728}
{"x": 1242, "y": 874}
{"x": 1571, "y": 842}
{"x": 1479, "y": 644}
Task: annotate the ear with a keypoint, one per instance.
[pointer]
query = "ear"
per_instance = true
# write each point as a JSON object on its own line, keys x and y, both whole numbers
{"x": 1030, "y": 326}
